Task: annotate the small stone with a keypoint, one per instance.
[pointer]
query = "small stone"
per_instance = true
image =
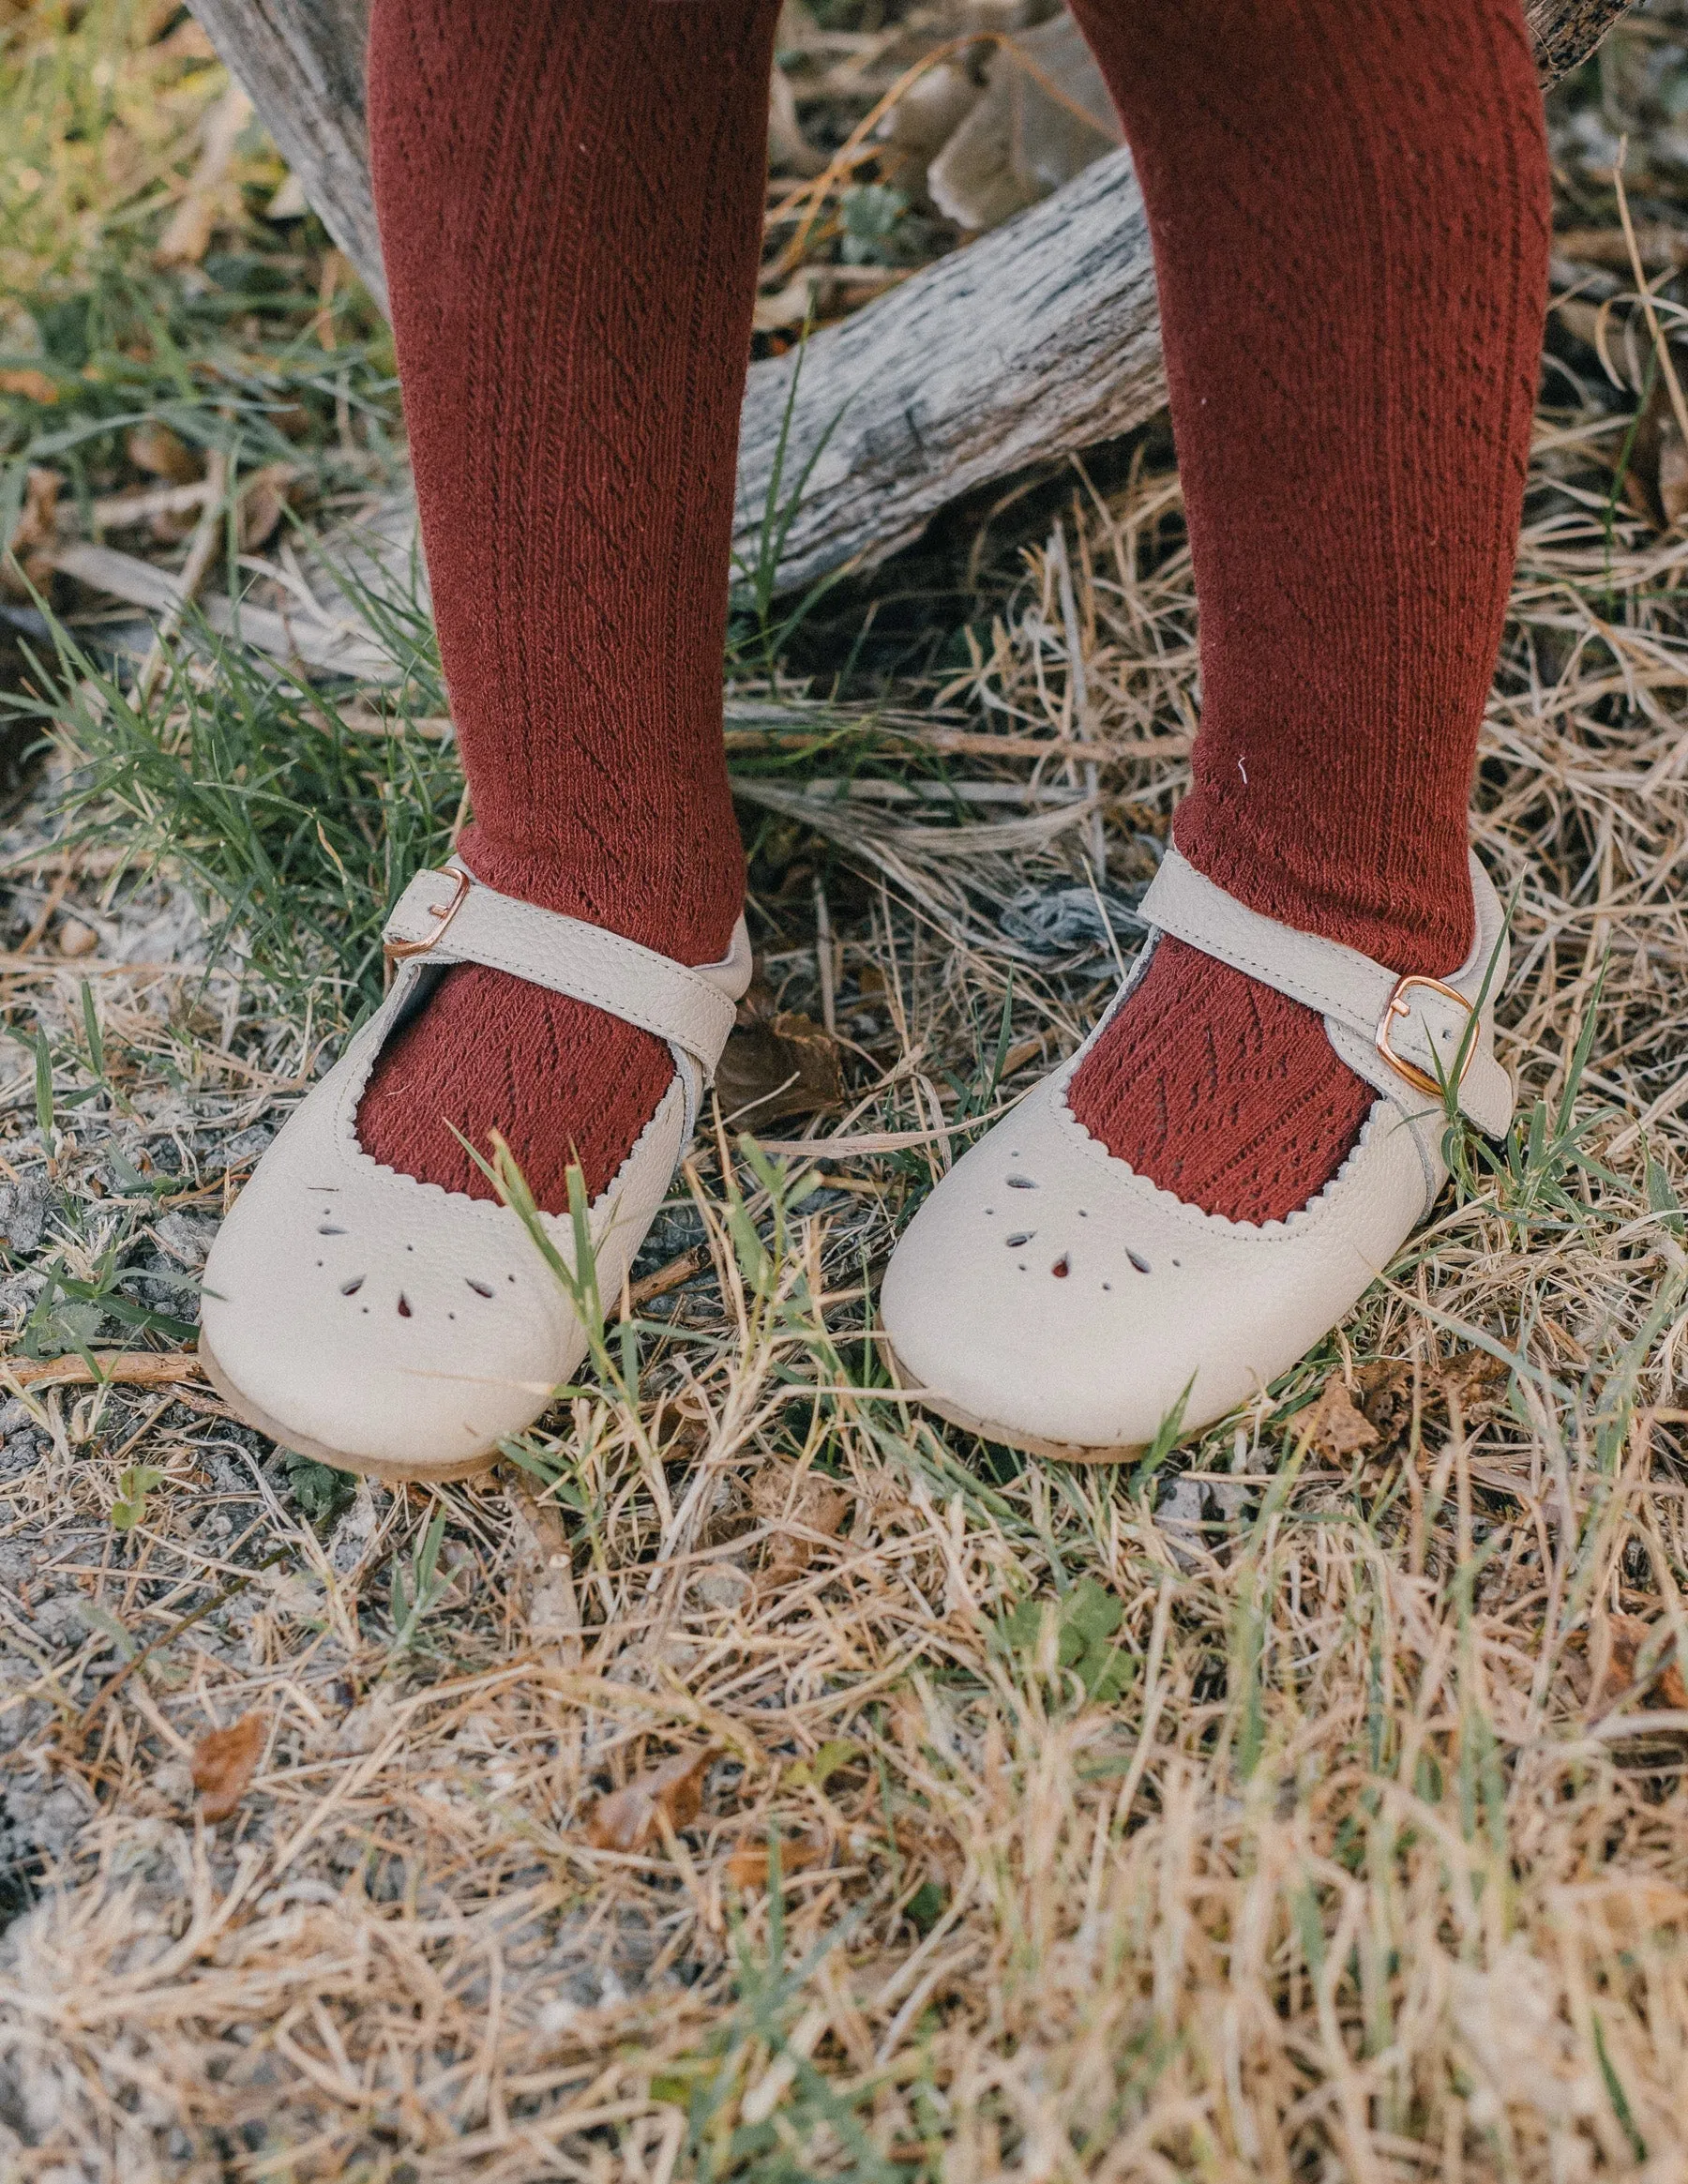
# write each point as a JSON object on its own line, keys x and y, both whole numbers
{"x": 187, "y": 1237}
{"x": 367, "y": 1725}
{"x": 24, "y": 1207}
{"x": 173, "y": 1780}
{"x": 1178, "y": 1519}
{"x": 18, "y": 1295}
{"x": 722, "y": 1587}
{"x": 240, "y": 1150}
{"x": 160, "y": 1283}
{"x": 354, "y": 1532}
{"x": 14, "y": 1416}
{"x": 76, "y": 938}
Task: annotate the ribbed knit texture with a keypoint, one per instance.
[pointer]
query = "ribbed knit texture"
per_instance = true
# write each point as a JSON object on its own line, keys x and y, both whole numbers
{"x": 1349, "y": 201}
{"x": 570, "y": 195}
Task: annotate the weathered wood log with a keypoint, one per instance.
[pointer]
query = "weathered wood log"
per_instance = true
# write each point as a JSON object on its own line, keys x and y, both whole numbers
{"x": 1567, "y": 31}
{"x": 302, "y": 63}
{"x": 1039, "y": 339}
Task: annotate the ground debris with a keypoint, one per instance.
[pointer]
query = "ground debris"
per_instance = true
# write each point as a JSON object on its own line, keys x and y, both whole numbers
{"x": 1116, "y": 1839}
{"x": 1335, "y": 1428}
{"x": 1472, "y": 1382}
{"x": 786, "y": 1064}
{"x": 224, "y": 1763}
{"x": 631, "y": 1818}
{"x": 1643, "y": 1661}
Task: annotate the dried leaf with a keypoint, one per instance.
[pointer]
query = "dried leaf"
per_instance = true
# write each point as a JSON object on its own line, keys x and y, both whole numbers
{"x": 155, "y": 449}
{"x": 627, "y": 1819}
{"x": 931, "y": 110}
{"x": 1045, "y": 116}
{"x": 34, "y": 387}
{"x": 788, "y": 305}
{"x": 1476, "y": 1381}
{"x": 1673, "y": 475}
{"x": 810, "y": 1504}
{"x": 1622, "y": 1907}
{"x": 721, "y": 1589}
{"x": 30, "y": 564}
{"x": 263, "y": 504}
{"x": 747, "y": 1866}
{"x": 1337, "y": 1429}
{"x": 545, "y": 1573}
{"x": 788, "y": 147}
{"x": 210, "y": 197}
{"x": 1631, "y": 1635}
{"x": 1385, "y": 1389}
{"x": 836, "y": 1753}
{"x": 225, "y": 1761}
{"x": 1661, "y": 247}
{"x": 789, "y": 1066}
{"x": 289, "y": 203}
{"x": 1653, "y": 478}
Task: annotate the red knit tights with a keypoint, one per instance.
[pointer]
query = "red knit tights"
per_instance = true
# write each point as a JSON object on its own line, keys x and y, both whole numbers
{"x": 1349, "y": 199}
{"x": 1348, "y": 205}
{"x": 570, "y": 195}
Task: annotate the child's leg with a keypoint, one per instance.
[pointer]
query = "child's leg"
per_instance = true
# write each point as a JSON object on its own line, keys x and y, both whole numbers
{"x": 570, "y": 195}
{"x": 1349, "y": 206}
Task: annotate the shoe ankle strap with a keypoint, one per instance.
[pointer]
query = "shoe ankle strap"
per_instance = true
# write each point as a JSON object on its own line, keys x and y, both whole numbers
{"x": 447, "y": 916}
{"x": 1407, "y": 1035}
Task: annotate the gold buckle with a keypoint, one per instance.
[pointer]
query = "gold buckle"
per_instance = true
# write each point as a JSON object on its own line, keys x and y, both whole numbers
{"x": 402, "y": 951}
{"x": 1399, "y": 1005}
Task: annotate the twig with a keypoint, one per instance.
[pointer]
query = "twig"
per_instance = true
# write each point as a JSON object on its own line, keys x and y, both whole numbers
{"x": 1660, "y": 346}
{"x": 1079, "y": 694}
{"x": 190, "y": 226}
{"x": 55, "y": 894}
{"x": 1601, "y": 1725}
{"x": 118, "y": 511}
{"x": 959, "y": 742}
{"x": 87, "y": 865}
{"x": 110, "y": 1367}
{"x": 116, "y": 1684}
{"x": 436, "y": 728}
{"x": 879, "y": 1140}
{"x": 826, "y": 960}
{"x": 201, "y": 548}
{"x": 669, "y": 1278}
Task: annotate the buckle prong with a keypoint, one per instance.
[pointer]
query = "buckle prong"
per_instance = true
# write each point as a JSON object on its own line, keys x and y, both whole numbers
{"x": 1398, "y": 1006}
{"x": 402, "y": 951}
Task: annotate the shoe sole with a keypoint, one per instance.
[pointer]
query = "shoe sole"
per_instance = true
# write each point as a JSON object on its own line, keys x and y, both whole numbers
{"x": 250, "y": 1413}
{"x": 988, "y": 1429}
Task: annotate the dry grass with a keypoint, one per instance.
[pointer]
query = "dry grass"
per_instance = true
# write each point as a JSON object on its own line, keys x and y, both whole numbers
{"x": 1366, "y": 1859}
{"x": 1311, "y": 1807}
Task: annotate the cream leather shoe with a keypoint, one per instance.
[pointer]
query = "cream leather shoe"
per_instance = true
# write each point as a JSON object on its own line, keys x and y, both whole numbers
{"x": 388, "y": 1326}
{"x": 1049, "y": 1297}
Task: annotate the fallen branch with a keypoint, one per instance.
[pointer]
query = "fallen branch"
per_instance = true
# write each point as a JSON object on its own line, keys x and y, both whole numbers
{"x": 329, "y": 644}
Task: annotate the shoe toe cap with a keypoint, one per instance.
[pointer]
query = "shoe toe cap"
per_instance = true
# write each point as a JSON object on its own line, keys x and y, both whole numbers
{"x": 389, "y": 1326}
{"x": 1052, "y": 1297}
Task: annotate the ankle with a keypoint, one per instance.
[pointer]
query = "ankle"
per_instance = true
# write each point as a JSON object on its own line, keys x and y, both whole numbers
{"x": 1414, "y": 914}
{"x": 686, "y": 908}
